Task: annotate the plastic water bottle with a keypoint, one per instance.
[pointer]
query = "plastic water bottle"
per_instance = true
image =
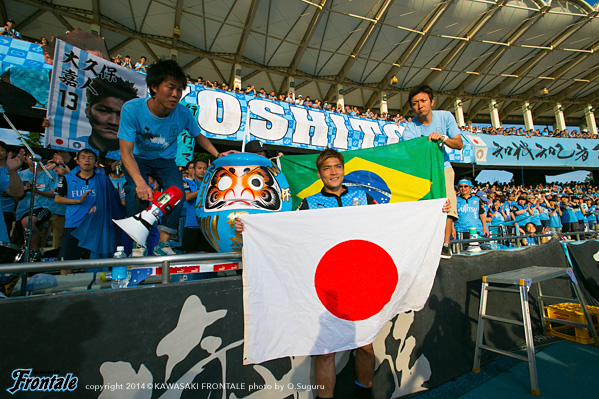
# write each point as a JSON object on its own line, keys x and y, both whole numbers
{"x": 120, "y": 276}
{"x": 474, "y": 246}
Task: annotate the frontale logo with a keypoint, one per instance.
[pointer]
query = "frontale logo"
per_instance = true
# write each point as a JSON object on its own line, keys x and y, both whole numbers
{"x": 23, "y": 381}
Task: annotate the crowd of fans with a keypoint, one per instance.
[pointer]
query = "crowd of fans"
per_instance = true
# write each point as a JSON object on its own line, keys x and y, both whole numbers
{"x": 52, "y": 216}
{"x": 555, "y": 208}
{"x": 519, "y": 131}
{"x": 508, "y": 209}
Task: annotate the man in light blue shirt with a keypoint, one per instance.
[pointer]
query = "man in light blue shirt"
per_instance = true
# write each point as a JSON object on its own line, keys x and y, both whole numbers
{"x": 441, "y": 127}
{"x": 10, "y": 182}
{"x": 148, "y": 143}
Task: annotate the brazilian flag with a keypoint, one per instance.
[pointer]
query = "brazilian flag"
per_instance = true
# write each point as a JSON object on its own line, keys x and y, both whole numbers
{"x": 407, "y": 171}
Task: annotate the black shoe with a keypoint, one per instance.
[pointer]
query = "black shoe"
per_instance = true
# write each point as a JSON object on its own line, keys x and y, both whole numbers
{"x": 363, "y": 393}
{"x": 446, "y": 251}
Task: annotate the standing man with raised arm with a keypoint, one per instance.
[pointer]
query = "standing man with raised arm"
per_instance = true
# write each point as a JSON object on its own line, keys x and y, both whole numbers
{"x": 148, "y": 143}
{"x": 441, "y": 127}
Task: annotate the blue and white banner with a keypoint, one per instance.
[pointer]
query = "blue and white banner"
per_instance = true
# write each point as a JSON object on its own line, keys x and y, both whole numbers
{"x": 85, "y": 101}
{"x": 229, "y": 116}
{"x": 534, "y": 151}
{"x": 15, "y": 52}
{"x": 460, "y": 156}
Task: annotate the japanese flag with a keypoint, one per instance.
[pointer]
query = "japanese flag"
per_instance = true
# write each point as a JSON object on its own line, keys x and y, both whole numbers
{"x": 327, "y": 280}
{"x": 477, "y": 141}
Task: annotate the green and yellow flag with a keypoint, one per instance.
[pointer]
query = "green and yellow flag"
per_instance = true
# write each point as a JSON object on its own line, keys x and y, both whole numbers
{"x": 407, "y": 171}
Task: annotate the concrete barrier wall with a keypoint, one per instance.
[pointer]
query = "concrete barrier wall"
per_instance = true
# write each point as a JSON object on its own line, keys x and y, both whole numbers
{"x": 186, "y": 340}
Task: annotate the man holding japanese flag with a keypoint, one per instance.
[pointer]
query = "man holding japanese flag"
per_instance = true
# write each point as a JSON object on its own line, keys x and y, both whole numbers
{"x": 347, "y": 290}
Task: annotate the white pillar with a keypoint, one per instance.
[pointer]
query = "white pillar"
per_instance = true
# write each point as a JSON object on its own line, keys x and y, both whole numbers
{"x": 494, "y": 112}
{"x": 383, "y": 108}
{"x": 94, "y": 29}
{"x": 291, "y": 86}
{"x": 560, "y": 121}
{"x": 174, "y": 54}
{"x": 459, "y": 112}
{"x": 237, "y": 78}
{"x": 527, "y": 113}
{"x": 589, "y": 115}
{"x": 340, "y": 101}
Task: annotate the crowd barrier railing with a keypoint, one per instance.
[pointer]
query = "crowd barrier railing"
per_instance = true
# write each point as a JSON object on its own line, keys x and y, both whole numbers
{"x": 165, "y": 262}
{"x": 515, "y": 240}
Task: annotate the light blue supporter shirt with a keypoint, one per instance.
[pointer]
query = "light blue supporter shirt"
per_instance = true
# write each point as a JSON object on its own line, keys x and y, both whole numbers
{"x": 4, "y": 182}
{"x": 154, "y": 137}
{"x": 44, "y": 183}
{"x": 191, "y": 220}
{"x": 73, "y": 186}
{"x": 443, "y": 123}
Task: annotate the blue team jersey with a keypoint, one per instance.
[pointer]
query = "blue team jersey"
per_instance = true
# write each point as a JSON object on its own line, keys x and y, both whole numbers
{"x": 523, "y": 215}
{"x": 498, "y": 218}
{"x": 544, "y": 215}
{"x": 7, "y": 202}
{"x": 568, "y": 215}
{"x": 469, "y": 211}
{"x": 592, "y": 214}
{"x": 154, "y": 137}
{"x": 443, "y": 123}
{"x": 72, "y": 186}
{"x": 119, "y": 184}
{"x": 191, "y": 221}
{"x": 580, "y": 215}
{"x": 530, "y": 241}
{"x": 4, "y": 182}
{"x": 554, "y": 220}
{"x": 44, "y": 183}
{"x": 351, "y": 196}
{"x": 535, "y": 217}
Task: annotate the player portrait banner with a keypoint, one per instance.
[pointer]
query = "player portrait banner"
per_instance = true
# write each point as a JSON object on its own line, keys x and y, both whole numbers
{"x": 85, "y": 100}
{"x": 338, "y": 276}
{"x": 407, "y": 171}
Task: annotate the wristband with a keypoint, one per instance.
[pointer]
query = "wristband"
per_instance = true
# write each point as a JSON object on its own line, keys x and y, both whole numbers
{"x": 445, "y": 138}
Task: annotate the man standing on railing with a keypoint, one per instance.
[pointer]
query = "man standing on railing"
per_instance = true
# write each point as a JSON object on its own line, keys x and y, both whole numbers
{"x": 441, "y": 127}
{"x": 148, "y": 142}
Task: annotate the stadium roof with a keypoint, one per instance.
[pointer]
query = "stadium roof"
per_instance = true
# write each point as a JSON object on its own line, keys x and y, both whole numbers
{"x": 477, "y": 50}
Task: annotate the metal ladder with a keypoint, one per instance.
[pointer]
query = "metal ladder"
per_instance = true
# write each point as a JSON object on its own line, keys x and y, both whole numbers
{"x": 524, "y": 279}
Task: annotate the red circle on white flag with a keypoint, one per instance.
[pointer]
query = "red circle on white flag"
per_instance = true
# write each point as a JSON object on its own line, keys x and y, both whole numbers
{"x": 355, "y": 279}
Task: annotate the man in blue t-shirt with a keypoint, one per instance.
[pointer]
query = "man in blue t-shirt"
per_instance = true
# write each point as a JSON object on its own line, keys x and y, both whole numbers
{"x": 441, "y": 127}
{"x": 10, "y": 182}
{"x": 568, "y": 218}
{"x": 78, "y": 192}
{"x": 43, "y": 206}
{"x": 193, "y": 239}
{"x": 148, "y": 142}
